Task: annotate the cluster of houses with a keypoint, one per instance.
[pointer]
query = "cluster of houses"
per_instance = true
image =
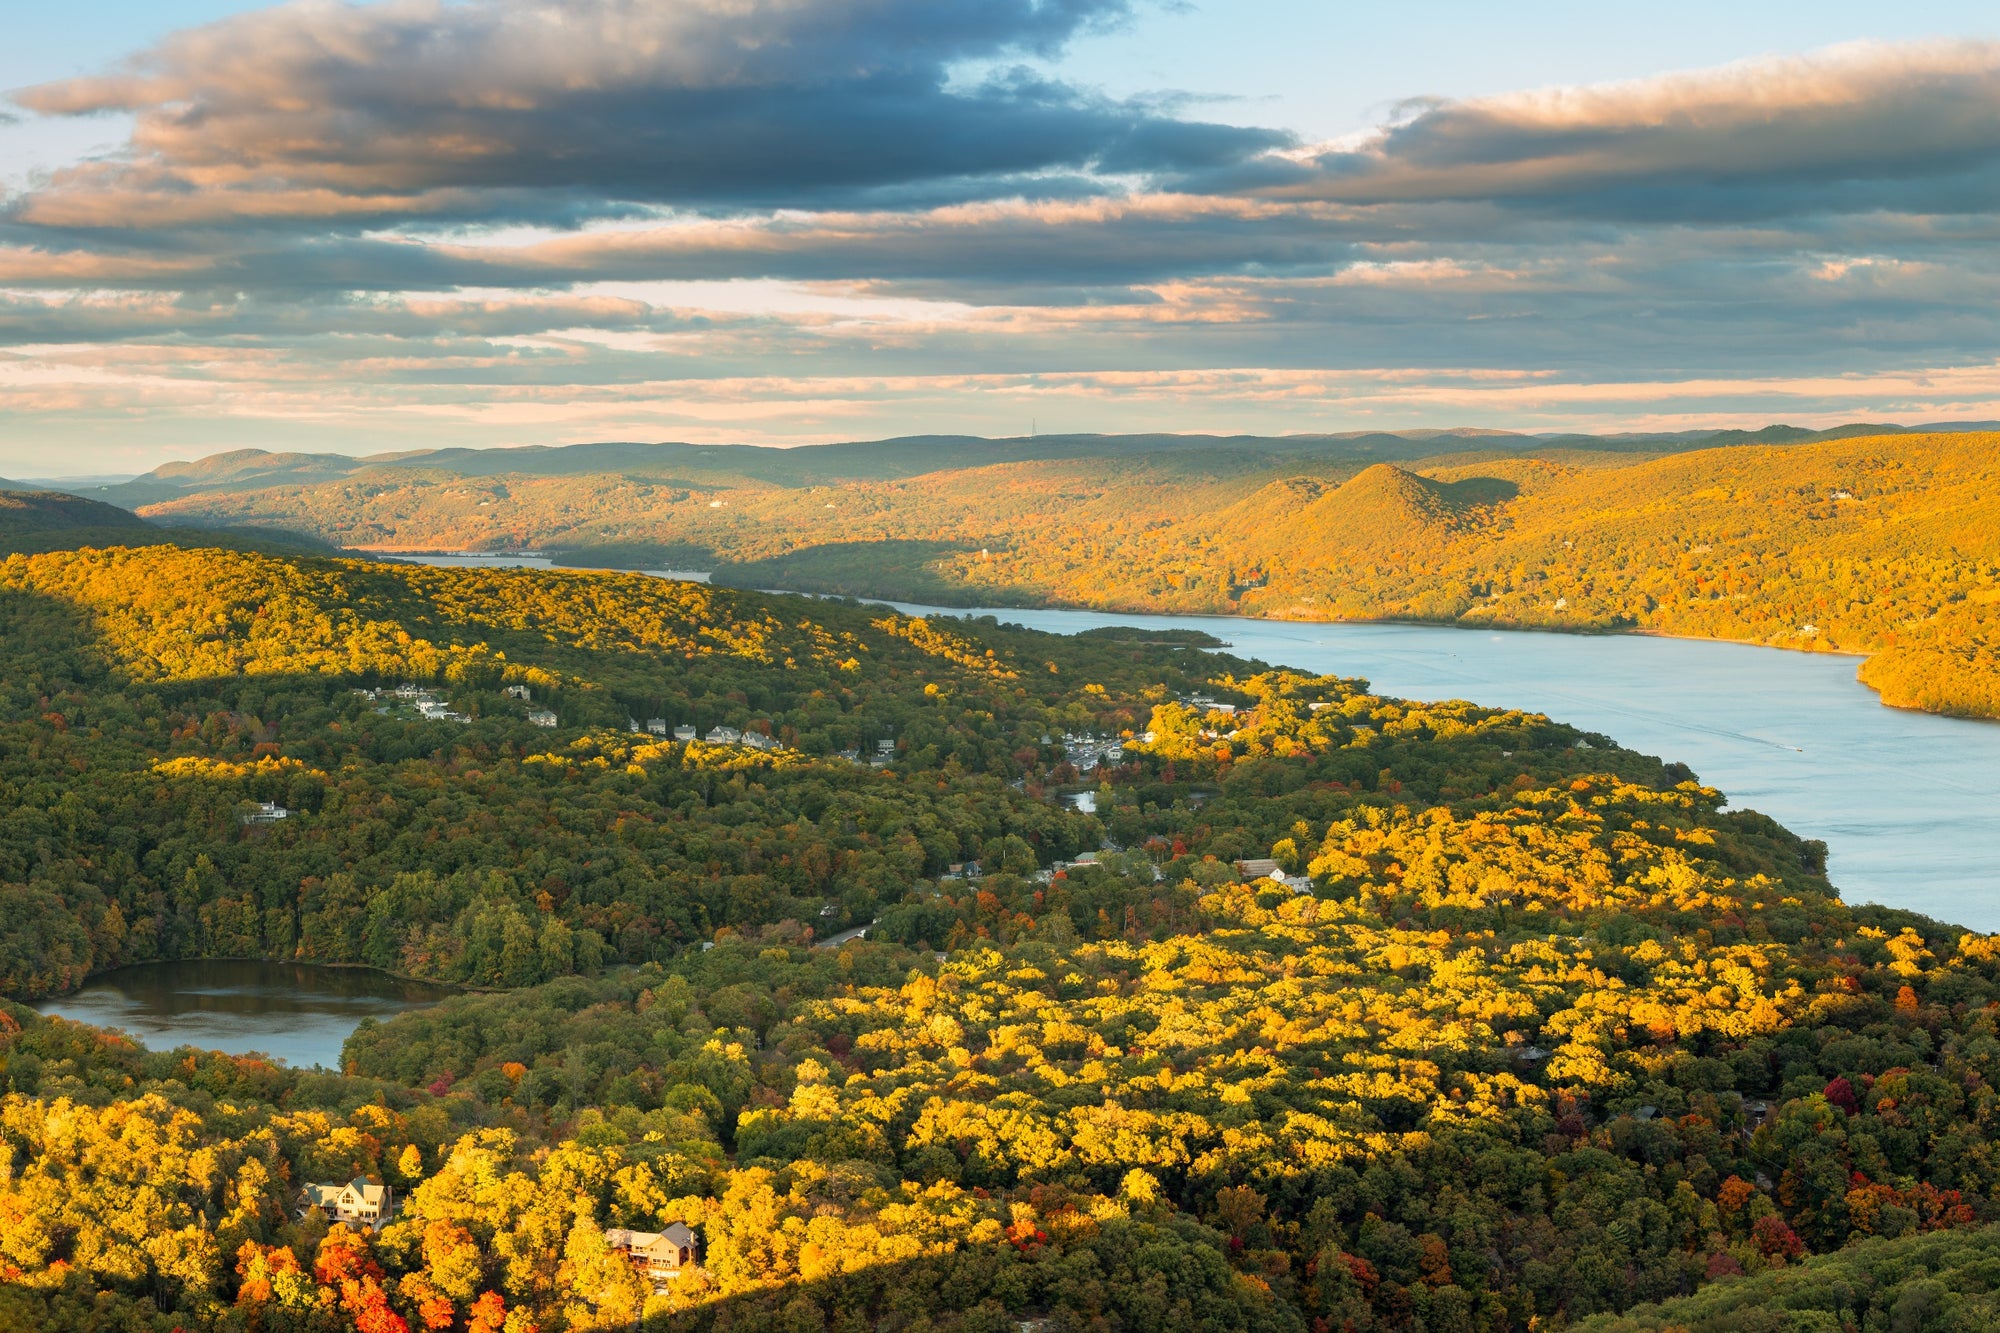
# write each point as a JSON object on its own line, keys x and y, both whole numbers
{"x": 717, "y": 735}
{"x": 537, "y": 717}
{"x": 426, "y": 702}
{"x": 1263, "y": 868}
{"x": 1086, "y": 751}
{"x": 433, "y": 709}
{"x": 658, "y": 1256}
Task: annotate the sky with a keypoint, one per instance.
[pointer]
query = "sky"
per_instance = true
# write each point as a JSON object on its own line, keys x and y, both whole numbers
{"x": 364, "y": 227}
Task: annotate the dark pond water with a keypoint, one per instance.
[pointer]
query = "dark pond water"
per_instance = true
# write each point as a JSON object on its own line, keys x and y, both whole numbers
{"x": 295, "y": 1012}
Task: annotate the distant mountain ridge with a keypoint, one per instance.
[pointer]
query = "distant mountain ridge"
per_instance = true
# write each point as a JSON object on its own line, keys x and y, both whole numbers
{"x": 1859, "y": 538}
{"x": 902, "y": 456}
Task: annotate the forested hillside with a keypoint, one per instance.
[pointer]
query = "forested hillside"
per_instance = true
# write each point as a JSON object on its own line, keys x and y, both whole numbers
{"x": 152, "y": 695}
{"x": 33, "y": 521}
{"x": 1882, "y": 545}
{"x": 1537, "y": 1030}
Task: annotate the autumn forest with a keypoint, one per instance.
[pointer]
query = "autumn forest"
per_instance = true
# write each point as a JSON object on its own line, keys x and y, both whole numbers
{"x": 1521, "y": 1030}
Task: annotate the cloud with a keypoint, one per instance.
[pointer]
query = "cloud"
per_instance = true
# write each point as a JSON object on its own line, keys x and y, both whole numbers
{"x": 805, "y": 219}
{"x": 509, "y": 108}
{"x": 1913, "y": 126}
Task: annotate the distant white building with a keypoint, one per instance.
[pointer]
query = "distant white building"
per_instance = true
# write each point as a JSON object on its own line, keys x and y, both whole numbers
{"x": 757, "y": 740}
{"x": 516, "y": 692}
{"x": 1296, "y": 883}
{"x": 266, "y": 812}
{"x": 723, "y": 736}
{"x": 685, "y": 732}
{"x": 542, "y": 717}
{"x": 657, "y": 725}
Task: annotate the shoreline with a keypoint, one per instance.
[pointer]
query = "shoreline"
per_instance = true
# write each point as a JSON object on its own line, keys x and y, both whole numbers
{"x": 98, "y": 974}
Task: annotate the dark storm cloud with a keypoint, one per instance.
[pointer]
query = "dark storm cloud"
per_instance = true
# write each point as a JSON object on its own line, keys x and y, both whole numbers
{"x": 502, "y": 108}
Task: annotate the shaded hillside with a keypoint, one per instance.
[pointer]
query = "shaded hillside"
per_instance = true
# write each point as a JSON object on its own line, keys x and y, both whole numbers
{"x": 1934, "y": 1282}
{"x": 50, "y": 520}
{"x": 35, "y": 521}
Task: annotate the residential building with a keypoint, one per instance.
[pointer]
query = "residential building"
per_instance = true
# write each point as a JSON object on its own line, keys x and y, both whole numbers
{"x": 542, "y": 717}
{"x": 516, "y": 692}
{"x": 658, "y": 726}
{"x": 265, "y": 812}
{"x": 1259, "y": 867}
{"x": 723, "y": 735}
{"x": 685, "y": 733}
{"x": 358, "y": 1203}
{"x": 659, "y": 1256}
{"x": 1296, "y": 883}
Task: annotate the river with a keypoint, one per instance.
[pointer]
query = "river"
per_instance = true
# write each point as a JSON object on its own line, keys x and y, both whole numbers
{"x": 296, "y": 1012}
{"x": 1905, "y": 801}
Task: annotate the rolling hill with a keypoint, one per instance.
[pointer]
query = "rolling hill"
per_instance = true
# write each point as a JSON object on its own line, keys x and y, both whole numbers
{"x": 1842, "y": 540}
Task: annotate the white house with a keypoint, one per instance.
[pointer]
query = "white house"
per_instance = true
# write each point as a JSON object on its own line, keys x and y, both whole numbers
{"x": 516, "y": 692}
{"x": 266, "y": 812}
{"x": 684, "y": 732}
{"x": 723, "y": 736}
{"x": 542, "y": 717}
{"x": 358, "y": 1203}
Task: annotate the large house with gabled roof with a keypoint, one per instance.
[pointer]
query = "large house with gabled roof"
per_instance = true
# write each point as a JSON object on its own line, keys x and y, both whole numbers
{"x": 659, "y": 1256}
{"x": 358, "y": 1203}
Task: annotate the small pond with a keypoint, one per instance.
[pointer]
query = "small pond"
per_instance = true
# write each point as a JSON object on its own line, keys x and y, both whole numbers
{"x": 296, "y": 1012}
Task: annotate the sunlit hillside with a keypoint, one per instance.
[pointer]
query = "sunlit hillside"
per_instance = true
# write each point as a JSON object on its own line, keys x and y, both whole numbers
{"x": 1877, "y": 545}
